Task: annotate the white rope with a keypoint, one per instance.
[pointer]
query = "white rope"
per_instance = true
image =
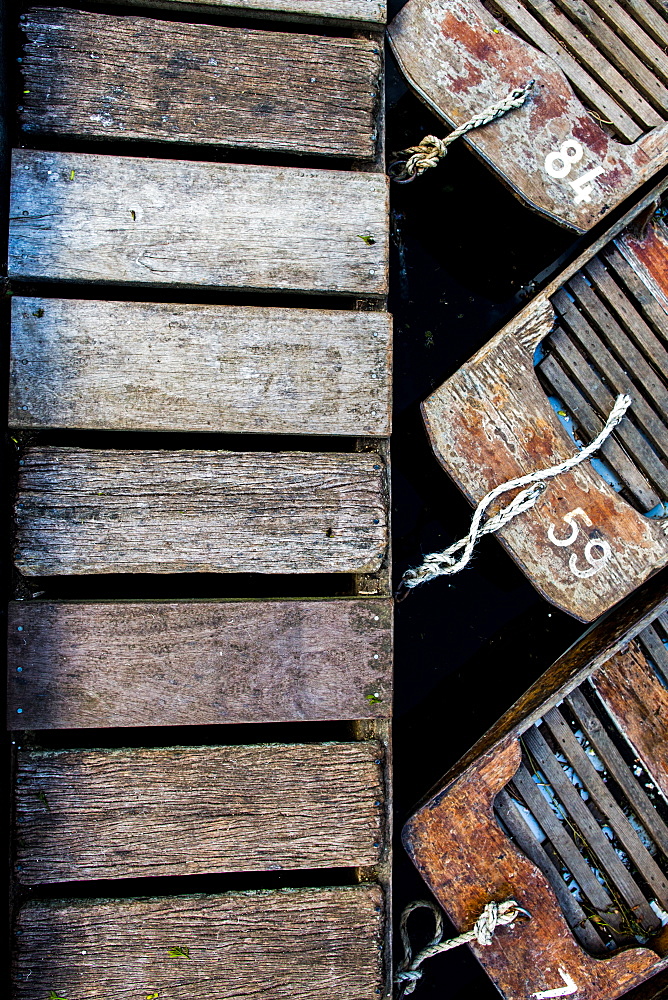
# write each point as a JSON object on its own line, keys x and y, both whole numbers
{"x": 444, "y": 564}
{"x": 412, "y": 162}
{"x": 494, "y": 915}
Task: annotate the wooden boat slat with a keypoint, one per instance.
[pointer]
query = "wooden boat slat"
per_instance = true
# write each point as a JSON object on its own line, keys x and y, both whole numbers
{"x": 591, "y": 423}
{"x": 198, "y": 83}
{"x": 224, "y": 369}
{"x": 605, "y": 802}
{"x": 650, "y": 18}
{"x": 359, "y": 13}
{"x": 616, "y": 765}
{"x": 506, "y": 809}
{"x": 586, "y": 63}
{"x": 637, "y": 702}
{"x": 74, "y": 665}
{"x": 627, "y": 27}
{"x": 86, "y": 511}
{"x": 639, "y": 449}
{"x": 655, "y": 648}
{"x": 626, "y": 61}
{"x": 100, "y": 814}
{"x": 271, "y": 945}
{"x": 627, "y": 311}
{"x": 598, "y": 842}
{"x": 563, "y": 843}
{"x": 131, "y": 220}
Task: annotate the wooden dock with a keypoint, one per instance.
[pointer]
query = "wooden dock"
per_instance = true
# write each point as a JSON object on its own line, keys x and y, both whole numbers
{"x": 198, "y": 256}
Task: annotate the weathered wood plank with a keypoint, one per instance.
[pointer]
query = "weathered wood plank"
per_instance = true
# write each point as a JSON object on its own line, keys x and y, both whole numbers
{"x": 638, "y": 703}
{"x": 274, "y": 945}
{"x": 131, "y": 220}
{"x": 372, "y": 13}
{"x": 224, "y": 369}
{"x": 84, "y": 511}
{"x": 505, "y": 807}
{"x": 158, "y": 663}
{"x": 607, "y": 804}
{"x": 91, "y": 814}
{"x": 99, "y": 76}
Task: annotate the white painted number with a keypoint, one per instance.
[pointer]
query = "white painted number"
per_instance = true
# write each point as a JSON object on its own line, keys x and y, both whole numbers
{"x": 570, "y": 152}
{"x": 558, "y": 164}
{"x": 596, "y": 562}
{"x": 561, "y": 991}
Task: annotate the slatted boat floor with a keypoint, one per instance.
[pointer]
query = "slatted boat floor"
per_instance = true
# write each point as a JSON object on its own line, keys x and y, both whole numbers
{"x": 594, "y": 129}
{"x": 146, "y": 357}
{"x": 563, "y": 806}
{"x": 600, "y": 329}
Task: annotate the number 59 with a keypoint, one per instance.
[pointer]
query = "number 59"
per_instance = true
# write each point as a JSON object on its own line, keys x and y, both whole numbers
{"x": 595, "y": 563}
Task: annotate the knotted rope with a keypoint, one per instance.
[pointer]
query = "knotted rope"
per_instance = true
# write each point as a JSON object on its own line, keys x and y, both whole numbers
{"x": 494, "y": 915}
{"x": 412, "y": 162}
{"x": 444, "y": 564}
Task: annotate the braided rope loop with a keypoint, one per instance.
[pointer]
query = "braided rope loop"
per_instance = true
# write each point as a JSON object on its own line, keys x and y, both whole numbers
{"x": 494, "y": 915}
{"x": 413, "y": 161}
{"x": 444, "y": 564}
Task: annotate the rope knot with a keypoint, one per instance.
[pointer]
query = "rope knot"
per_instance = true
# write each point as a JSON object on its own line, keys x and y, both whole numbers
{"x": 494, "y": 915}
{"x": 413, "y": 161}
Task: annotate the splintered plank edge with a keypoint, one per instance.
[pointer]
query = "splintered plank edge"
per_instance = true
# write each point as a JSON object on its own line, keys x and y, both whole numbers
{"x": 225, "y": 369}
{"x": 99, "y": 814}
{"x": 83, "y": 511}
{"x": 272, "y": 945}
{"x": 134, "y": 220}
{"x": 173, "y": 82}
{"x": 113, "y": 664}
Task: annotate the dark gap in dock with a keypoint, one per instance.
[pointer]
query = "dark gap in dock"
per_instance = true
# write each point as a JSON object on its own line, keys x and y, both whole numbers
{"x": 158, "y": 737}
{"x": 129, "y": 440}
{"x": 179, "y": 586}
{"x": 186, "y": 295}
{"x": 191, "y": 885}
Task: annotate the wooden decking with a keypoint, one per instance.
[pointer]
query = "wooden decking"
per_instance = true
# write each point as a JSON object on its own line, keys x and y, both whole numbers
{"x": 167, "y": 307}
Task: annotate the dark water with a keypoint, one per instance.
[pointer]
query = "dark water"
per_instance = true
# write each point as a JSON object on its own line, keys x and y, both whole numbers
{"x": 463, "y": 250}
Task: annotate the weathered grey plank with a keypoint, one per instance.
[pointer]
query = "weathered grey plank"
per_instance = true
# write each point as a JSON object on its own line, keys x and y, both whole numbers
{"x": 263, "y": 945}
{"x": 372, "y": 13}
{"x": 84, "y": 511}
{"x": 507, "y": 809}
{"x": 131, "y": 220}
{"x": 91, "y": 814}
{"x": 157, "y": 366}
{"x": 99, "y": 76}
{"x": 594, "y": 837}
{"x": 158, "y": 663}
{"x": 607, "y": 804}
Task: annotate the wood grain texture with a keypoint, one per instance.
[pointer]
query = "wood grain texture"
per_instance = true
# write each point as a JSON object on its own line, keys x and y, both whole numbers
{"x": 369, "y": 13}
{"x": 158, "y": 663}
{"x": 262, "y": 945}
{"x": 491, "y": 422}
{"x": 460, "y": 59}
{"x": 99, "y": 76}
{"x": 223, "y": 369}
{"x": 91, "y": 814}
{"x": 131, "y": 220}
{"x": 84, "y": 511}
{"x": 467, "y": 861}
